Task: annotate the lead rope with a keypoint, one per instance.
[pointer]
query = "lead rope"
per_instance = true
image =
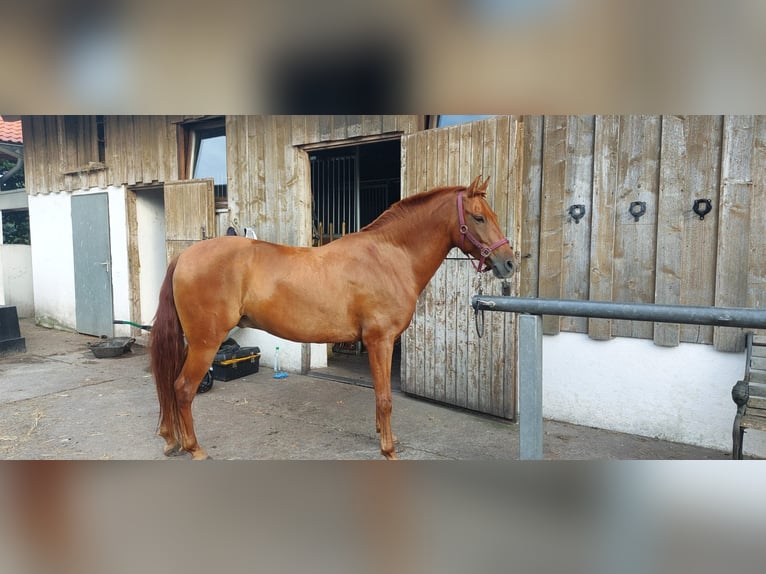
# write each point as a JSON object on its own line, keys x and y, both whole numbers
{"x": 479, "y": 325}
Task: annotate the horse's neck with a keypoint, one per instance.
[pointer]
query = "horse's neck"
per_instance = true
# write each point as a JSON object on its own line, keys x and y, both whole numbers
{"x": 426, "y": 239}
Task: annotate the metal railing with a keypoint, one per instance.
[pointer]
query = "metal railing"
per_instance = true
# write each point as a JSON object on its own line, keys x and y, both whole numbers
{"x": 530, "y": 333}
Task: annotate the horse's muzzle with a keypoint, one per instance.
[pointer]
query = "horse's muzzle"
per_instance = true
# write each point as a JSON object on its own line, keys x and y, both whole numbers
{"x": 502, "y": 268}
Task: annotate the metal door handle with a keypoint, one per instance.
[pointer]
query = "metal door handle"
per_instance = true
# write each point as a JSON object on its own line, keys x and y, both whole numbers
{"x": 105, "y": 263}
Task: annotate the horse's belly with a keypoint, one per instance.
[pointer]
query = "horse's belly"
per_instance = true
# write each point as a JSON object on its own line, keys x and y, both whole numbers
{"x": 304, "y": 323}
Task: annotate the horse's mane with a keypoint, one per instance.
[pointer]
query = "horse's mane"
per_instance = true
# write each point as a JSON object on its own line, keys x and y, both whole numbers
{"x": 401, "y": 207}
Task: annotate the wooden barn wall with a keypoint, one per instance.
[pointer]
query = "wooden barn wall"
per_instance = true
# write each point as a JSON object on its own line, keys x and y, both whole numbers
{"x": 669, "y": 255}
{"x": 61, "y": 153}
{"x": 269, "y": 171}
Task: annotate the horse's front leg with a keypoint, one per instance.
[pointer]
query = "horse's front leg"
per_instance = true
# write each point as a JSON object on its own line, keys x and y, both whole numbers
{"x": 379, "y": 352}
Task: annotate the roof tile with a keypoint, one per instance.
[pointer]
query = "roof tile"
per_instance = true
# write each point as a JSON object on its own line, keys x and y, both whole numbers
{"x": 10, "y": 132}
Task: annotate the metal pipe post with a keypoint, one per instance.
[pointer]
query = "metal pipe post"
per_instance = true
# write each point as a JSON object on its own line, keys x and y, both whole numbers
{"x": 530, "y": 387}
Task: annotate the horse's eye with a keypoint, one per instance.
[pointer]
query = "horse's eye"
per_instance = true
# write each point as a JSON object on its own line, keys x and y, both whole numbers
{"x": 479, "y": 218}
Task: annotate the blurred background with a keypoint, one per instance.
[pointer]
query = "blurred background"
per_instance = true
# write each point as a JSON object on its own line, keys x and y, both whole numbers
{"x": 433, "y": 56}
{"x": 337, "y": 56}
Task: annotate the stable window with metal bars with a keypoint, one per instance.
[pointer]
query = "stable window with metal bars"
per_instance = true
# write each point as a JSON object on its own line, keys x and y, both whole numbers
{"x": 335, "y": 195}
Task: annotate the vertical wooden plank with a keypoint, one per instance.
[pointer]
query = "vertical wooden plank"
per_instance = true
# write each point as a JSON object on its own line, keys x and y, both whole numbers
{"x": 670, "y": 223}
{"x": 421, "y": 345}
{"x": 353, "y": 126}
{"x": 312, "y": 129}
{"x": 325, "y": 126}
{"x": 175, "y": 138}
{"x": 488, "y": 383}
{"x": 517, "y": 149}
{"x": 286, "y": 215}
{"x": 756, "y": 284}
{"x": 552, "y": 210}
{"x": 60, "y": 154}
{"x": 701, "y": 236}
{"x": 47, "y": 135}
{"x": 159, "y": 127}
{"x": 503, "y": 155}
{"x": 407, "y": 124}
{"x": 412, "y": 351}
{"x": 268, "y": 226}
{"x": 463, "y": 277}
{"x": 432, "y": 296}
{"x": 737, "y": 195}
{"x": 138, "y": 137}
{"x": 236, "y": 154}
{"x": 734, "y": 224}
{"x": 406, "y": 343}
{"x": 603, "y": 218}
{"x": 298, "y": 130}
{"x": 30, "y": 127}
{"x": 474, "y": 374}
{"x": 388, "y": 124}
{"x": 455, "y": 339}
{"x": 444, "y": 345}
{"x": 578, "y": 186}
{"x": 256, "y": 182}
{"x": 112, "y": 136}
{"x": 131, "y": 142}
{"x": 635, "y": 244}
{"x": 337, "y": 128}
{"x": 156, "y": 137}
{"x": 531, "y": 182}
{"x": 371, "y": 125}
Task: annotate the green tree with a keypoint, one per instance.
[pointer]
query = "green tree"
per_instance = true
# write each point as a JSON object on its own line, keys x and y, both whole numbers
{"x": 16, "y": 181}
{"x": 16, "y": 227}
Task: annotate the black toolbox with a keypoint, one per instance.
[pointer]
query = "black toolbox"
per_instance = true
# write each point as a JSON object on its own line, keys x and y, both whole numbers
{"x": 232, "y": 361}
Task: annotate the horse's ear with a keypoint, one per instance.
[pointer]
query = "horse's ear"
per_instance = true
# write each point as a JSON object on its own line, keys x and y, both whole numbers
{"x": 477, "y": 188}
{"x": 472, "y": 187}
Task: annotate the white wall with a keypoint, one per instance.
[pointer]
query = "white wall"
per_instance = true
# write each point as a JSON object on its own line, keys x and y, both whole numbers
{"x": 50, "y": 223}
{"x": 118, "y": 239}
{"x": 152, "y": 252}
{"x": 16, "y": 263}
{"x": 16, "y": 284}
{"x": 681, "y": 394}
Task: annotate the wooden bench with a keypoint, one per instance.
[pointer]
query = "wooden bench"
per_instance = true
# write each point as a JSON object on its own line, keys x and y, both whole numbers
{"x": 749, "y": 394}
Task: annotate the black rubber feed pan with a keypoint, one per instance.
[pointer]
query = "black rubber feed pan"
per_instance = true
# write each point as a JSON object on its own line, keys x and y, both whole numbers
{"x": 113, "y": 347}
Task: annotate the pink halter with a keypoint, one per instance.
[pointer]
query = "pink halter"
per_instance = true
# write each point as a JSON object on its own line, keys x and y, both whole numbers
{"x": 484, "y": 249}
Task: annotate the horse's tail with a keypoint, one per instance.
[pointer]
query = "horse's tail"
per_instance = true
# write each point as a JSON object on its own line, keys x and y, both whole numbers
{"x": 168, "y": 352}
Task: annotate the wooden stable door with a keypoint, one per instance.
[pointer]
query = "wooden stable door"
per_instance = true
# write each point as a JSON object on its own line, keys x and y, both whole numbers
{"x": 189, "y": 214}
{"x": 443, "y": 356}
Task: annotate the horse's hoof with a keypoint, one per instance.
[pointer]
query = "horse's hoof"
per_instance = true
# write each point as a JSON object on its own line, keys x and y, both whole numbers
{"x": 201, "y": 455}
{"x": 174, "y": 450}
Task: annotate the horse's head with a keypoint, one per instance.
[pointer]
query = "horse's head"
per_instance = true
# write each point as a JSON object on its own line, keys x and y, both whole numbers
{"x": 480, "y": 234}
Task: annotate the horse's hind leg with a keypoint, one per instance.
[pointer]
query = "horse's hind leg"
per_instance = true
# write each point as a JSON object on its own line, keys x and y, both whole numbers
{"x": 380, "y": 352}
{"x": 172, "y": 446}
{"x": 195, "y": 368}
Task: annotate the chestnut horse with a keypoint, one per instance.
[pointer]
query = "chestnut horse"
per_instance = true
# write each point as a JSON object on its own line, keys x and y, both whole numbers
{"x": 363, "y": 286}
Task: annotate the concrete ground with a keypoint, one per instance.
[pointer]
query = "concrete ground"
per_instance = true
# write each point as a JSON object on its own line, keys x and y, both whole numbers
{"x": 57, "y": 401}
